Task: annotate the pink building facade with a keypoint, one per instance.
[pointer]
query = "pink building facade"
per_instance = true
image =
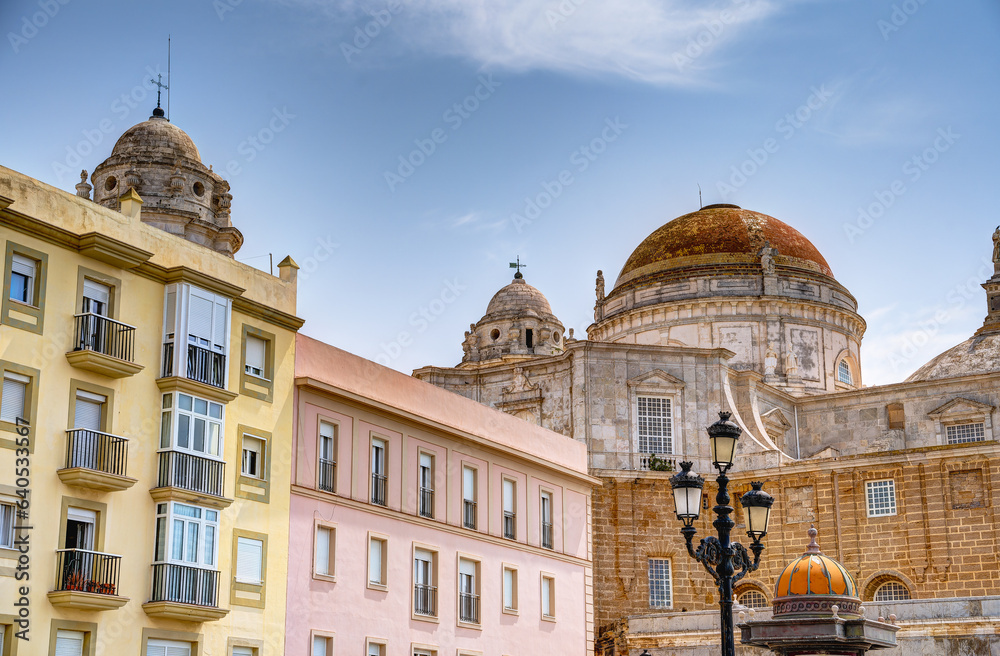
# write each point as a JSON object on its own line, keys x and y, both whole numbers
{"x": 425, "y": 524}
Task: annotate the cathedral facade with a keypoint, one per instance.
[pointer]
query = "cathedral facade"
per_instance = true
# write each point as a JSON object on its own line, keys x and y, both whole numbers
{"x": 729, "y": 309}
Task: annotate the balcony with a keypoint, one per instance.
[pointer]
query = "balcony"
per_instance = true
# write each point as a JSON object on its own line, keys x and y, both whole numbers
{"x": 469, "y": 514}
{"x": 509, "y": 524}
{"x": 547, "y": 535}
{"x": 426, "y": 508}
{"x": 425, "y": 600}
{"x": 379, "y": 485}
{"x": 96, "y": 461}
{"x": 189, "y": 478}
{"x": 184, "y": 593}
{"x": 326, "y": 477}
{"x": 468, "y": 607}
{"x": 104, "y": 346}
{"x": 204, "y": 373}
{"x": 87, "y": 580}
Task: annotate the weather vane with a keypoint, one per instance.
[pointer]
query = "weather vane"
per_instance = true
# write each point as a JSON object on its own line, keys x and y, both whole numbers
{"x": 159, "y": 87}
{"x": 517, "y": 265}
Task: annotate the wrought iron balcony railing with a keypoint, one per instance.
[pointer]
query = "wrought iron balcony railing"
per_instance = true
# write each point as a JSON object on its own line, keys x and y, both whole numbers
{"x": 95, "y": 450}
{"x": 424, "y": 599}
{"x": 468, "y": 607}
{"x": 379, "y": 484}
{"x": 190, "y": 472}
{"x": 87, "y": 571}
{"x": 509, "y": 524}
{"x": 326, "y": 476}
{"x": 469, "y": 514}
{"x": 203, "y": 365}
{"x": 426, "y": 502}
{"x": 94, "y": 332}
{"x": 185, "y": 585}
{"x": 547, "y": 535}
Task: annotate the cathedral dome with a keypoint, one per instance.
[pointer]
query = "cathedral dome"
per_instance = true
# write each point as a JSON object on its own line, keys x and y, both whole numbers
{"x": 813, "y": 583}
{"x": 718, "y": 234}
{"x": 518, "y": 299}
{"x": 980, "y": 354}
{"x": 156, "y": 138}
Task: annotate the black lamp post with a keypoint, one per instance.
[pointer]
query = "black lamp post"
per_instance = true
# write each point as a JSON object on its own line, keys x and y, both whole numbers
{"x": 726, "y": 561}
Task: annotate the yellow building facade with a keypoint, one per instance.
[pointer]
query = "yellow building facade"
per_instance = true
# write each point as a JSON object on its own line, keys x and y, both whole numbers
{"x": 146, "y": 414}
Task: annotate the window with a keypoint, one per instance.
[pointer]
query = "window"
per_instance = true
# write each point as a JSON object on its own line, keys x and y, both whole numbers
{"x": 426, "y": 492}
{"x": 23, "y": 278}
{"x": 753, "y": 599}
{"x": 256, "y": 348}
{"x": 168, "y": 648}
{"x": 424, "y": 652}
{"x": 96, "y": 298}
{"x": 322, "y": 646}
{"x": 968, "y": 432}
{"x": 249, "y": 560}
{"x": 660, "y": 589}
{"x": 81, "y": 525}
{"x": 377, "y": 561}
{"x": 424, "y": 582}
{"x": 186, "y": 535}
{"x": 509, "y": 516}
{"x": 189, "y": 423}
{"x": 327, "y": 461}
{"x": 196, "y": 348}
{"x": 325, "y": 551}
{"x": 529, "y": 338}
{"x": 378, "y": 472}
{"x": 509, "y": 589}
{"x": 243, "y": 651}
{"x": 253, "y": 457}
{"x": 69, "y": 643}
{"x": 14, "y": 399}
{"x": 844, "y": 373}
{"x": 891, "y": 591}
{"x": 548, "y": 597}
{"x": 375, "y": 649}
{"x": 655, "y": 425}
{"x": 547, "y": 520}
{"x": 881, "y": 498}
{"x": 469, "y": 497}
{"x": 89, "y": 410}
{"x": 6, "y": 527}
{"x": 468, "y": 591}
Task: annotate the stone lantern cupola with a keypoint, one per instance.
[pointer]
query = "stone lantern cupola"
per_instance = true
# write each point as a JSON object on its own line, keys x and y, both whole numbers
{"x": 518, "y": 324}
{"x": 181, "y": 195}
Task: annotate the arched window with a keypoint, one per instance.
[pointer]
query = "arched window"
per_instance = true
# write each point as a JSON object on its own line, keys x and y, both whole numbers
{"x": 844, "y": 373}
{"x": 753, "y": 598}
{"x": 891, "y": 591}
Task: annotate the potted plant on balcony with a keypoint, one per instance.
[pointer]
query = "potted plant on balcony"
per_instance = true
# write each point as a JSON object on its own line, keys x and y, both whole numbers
{"x": 74, "y": 582}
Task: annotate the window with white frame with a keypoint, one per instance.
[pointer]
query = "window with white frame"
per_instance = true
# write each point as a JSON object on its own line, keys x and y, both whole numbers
{"x": 469, "y": 497}
{"x": 249, "y": 560}
{"x": 881, "y": 497}
{"x": 327, "y": 461}
{"x": 891, "y": 591}
{"x": 196, "y": 324}
{"x": 96, "y": 298}
{"x": 191, "y": 424}
{"x": 422, "y": 651}
{"x": 844, "y": 373}
{"x": 7, "y": 511}
{"x": 753, "y": 598}
{"x": 548, "y": 597}
{"x": 322, "y": 646}
{"x": 376, "y": 648}
{"x": 23, "y": 277}
{"x": 256, "y": 353}
{"x": 424, "y": 582}
{"x": 167, "y": 648}
{"x": 253, "y": 456}
{"x": 509, "y": 589}
{"x": 468, "y": 590}
{"x": 186, "y": 535}
{"x": 546, "y": 516}
{"x": 660, "y": 588}
{"x": 14, "y": 398}
{"x": 425, "y": 504}
{"x": 379, "y": 480}
{"x": 377, "y": 561}
{"x": 325, "y": 551}
{"x": 655, "y": 424}
{"x": 965, "y": 432}
{"x": 244, "y": 651}
{"x": 509, "y": 513}
{"x": 69, "y": 643}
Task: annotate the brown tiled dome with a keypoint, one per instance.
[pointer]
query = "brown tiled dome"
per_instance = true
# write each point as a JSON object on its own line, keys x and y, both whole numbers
{"x": 158, "y": 138}
{"x": 719, "y": 234}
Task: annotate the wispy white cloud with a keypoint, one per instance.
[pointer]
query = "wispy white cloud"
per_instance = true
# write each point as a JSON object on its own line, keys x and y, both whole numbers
{"x": 654, "y": 41}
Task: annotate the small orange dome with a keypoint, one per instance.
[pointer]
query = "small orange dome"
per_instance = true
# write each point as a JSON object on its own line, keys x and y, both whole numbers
{"x": 814, "y": 583}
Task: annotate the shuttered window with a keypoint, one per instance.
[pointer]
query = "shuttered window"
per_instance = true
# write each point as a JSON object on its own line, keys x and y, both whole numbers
{"x": 14, "y": 396}
{"x": 324, "y": 551}
{"x": 508, "y": 495}
{"x": 69, "y": 643}
{"x": 548, "y": 597}
{"x": 376, "y": 553}
{"x": 243, "y": 651}
{"x": 96, "y": 297}
{"x": 321, "y": 646}
{"x": 256, "y": 349}
{"x": 253, "y": 457}
{"x": 208, "y": 319}
{"x": 509, "y": 589}
{"x": 6, "y": 528}
{"x": 249, "y": 554}
{"x": 168, "y": 648}
{"x": 468, "y": 484}
{"x": 89, "y": 410}
{"x": 23, "y": 273}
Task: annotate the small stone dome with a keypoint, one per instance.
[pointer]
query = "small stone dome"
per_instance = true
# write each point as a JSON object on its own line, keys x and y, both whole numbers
{"x": 813, "y": 583}
{"x": 719, "y": 234}
{"x": 980, "y": 354}
{"x": 156, "y": 137}
{"x": 518, "y": 299}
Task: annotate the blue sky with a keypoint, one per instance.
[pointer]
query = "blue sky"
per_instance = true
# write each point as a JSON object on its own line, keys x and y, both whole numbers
{"x": 309, "y": 106}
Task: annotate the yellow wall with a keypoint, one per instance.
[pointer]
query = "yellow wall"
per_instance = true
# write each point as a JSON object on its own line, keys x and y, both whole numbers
{"x": 128, "y": 524}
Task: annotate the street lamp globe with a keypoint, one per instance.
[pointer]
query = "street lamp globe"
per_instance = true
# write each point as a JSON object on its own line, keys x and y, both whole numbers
{"x": 723, "y": 436}
{"x": 687, "y": 493}
{"x": 757, "y": 504}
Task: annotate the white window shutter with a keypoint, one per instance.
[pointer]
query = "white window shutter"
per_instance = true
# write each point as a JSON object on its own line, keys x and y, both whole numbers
{"x": 23, "y": 265}
{"x": 255, "y": 355}
{"x": 319, "y": 646}
{"x": 170, "y": 312}
{"x": 322, "y": 550}
{"x": 200, "y": 317}
{"x": 96, "y": 291}
{"x": 508, "y": 496}
{"x": 469, "y": 484}
{"x": 88, "y": 412}
{"x": 375, "y": 561}
{"x": 248, "y": 560}
{"x": 508, "y": 588}
{"x": 242, "y": 651}
{"x": 547, "y": 597}
{"x": 12, "y": 403}
{"x": 467, "y": 567}
{"x": 425, "y": 460}
{"x": 69, "y": 643}
{"x": 221, "y": 323}
{"x": 168, "y": 648}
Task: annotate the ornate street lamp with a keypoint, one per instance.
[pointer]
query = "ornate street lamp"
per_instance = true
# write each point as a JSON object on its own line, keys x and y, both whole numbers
{"x": 726, "y": 561}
